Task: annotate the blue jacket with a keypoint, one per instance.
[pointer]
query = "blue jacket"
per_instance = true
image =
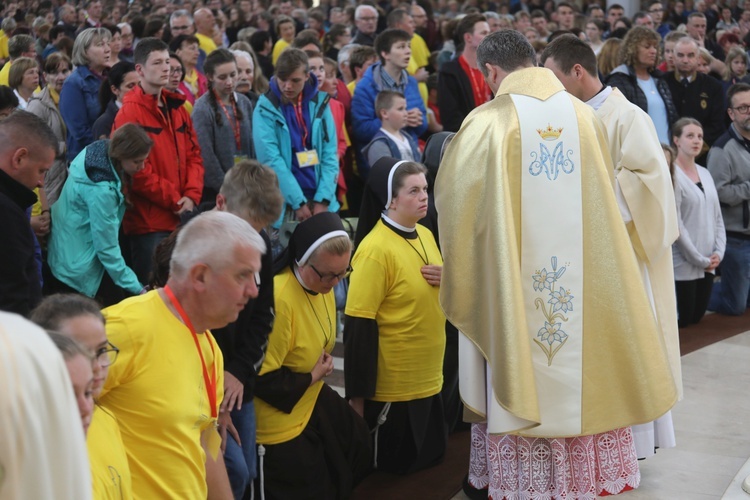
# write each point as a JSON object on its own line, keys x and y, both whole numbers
{"x": 364, "y": 120}
{"x": 87, "y": 219}
{"x": 273, "y": 147}
{"x": 79, "y": 107}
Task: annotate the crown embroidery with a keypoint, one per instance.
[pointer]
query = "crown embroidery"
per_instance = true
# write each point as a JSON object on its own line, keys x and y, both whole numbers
{"x": 549, "y": 133}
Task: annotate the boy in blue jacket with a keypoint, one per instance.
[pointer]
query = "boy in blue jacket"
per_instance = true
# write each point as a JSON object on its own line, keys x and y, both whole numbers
{"x": 392, "y": 139}
{"x": 394, "y": 49}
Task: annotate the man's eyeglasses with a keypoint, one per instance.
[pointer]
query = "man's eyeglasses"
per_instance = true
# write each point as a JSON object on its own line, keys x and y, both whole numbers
{"x": 179, "y": 28}
{"x": 175, "y": 71}
{"x": 330, "y": 277}
{"x": 742, "y": 109}
{"x": 367, "y": 18}
{"x": 106, "y": 355}
{"x": 655, "y": 10}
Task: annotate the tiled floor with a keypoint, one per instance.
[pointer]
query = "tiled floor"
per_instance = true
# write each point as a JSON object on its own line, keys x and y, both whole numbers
{"x": 712, "y": 426}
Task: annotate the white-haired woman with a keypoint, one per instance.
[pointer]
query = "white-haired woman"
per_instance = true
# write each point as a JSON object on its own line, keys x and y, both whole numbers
{"x": 79, "y": 98}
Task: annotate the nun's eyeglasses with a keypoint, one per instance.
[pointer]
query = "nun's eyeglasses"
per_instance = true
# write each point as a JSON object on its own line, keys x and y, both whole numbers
{"x": 330, "y": 277}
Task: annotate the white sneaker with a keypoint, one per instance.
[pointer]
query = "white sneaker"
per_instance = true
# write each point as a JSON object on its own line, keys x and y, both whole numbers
{"x": 746, "y": 484}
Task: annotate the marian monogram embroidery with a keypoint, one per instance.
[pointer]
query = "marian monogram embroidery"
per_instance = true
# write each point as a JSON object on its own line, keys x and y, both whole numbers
{"x": 560, "y": 301}
{"x": 551, "y": 163}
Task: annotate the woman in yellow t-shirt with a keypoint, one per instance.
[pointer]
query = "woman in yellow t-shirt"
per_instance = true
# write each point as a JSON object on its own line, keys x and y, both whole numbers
{"x": 311, "y": 443}
{"x": 79, "y": 318}
{"x": 395, "y": 330}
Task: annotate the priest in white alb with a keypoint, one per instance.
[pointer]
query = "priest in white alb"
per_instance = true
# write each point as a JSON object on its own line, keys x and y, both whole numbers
{"x": 643, "y": 186}
{"x": 557, "y": 358}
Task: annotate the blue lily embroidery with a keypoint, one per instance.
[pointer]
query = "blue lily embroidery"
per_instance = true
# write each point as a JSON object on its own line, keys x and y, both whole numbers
{"x": 551, "y": 337}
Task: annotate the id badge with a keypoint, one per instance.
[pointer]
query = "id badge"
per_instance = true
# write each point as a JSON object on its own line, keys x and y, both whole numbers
{"x": 307, "y": 158}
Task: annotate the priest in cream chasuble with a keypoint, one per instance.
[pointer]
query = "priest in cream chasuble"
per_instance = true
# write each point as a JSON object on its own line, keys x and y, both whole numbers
{"x": 557, "y": 335}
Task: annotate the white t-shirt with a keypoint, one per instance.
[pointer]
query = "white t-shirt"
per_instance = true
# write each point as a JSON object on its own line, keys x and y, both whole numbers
{"x": 404, "y": 148}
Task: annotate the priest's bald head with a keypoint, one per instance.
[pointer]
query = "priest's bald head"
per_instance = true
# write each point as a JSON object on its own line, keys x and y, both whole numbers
{"x": 502, "y": 53}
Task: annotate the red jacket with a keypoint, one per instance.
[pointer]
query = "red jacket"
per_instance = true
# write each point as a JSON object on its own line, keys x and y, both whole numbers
{"x": 174, "y": 167}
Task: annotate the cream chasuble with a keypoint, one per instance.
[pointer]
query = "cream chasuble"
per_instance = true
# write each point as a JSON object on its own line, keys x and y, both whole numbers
{"x": 42, "y": 446}
{"x": 539, "y": 275}
{"x": 643, "y": 178}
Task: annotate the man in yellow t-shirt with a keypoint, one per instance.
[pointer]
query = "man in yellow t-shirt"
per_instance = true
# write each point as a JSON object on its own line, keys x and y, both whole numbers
{"x": 204, "y": 29}
{"x": 167, "y": 386}
{"x": 18, "y": 46}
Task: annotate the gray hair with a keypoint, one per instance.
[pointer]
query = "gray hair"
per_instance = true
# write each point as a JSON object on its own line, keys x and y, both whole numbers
{"x": 300, "y": 15}
{"x": 38, "y": 23}
{"x": 244, "y": 55}
{"x": 8, "y": 24}
{"x": 122, "y": 25}
{"x": 244, "y": 34}
{"x": 345, "y": 53}
{"x": 211, "y": 238}
{"x": 507, "y": 49}
{"x": 180, "y": 13}
{"x": 361, "y": 8}
{"x": 86, "y": 39}
{"x": 491, "y": 15}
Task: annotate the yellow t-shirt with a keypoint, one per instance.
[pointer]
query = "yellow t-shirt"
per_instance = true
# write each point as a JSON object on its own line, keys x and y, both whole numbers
{"x": 110, "y": 472}
{"x": 3, "y": 45}
{"x": 420, "y": 58}
{"x": 156, "y": 391}
{"x": 5, "y": 73}
{"x": 387, "y": 286}
{"x": 301, "y": 330}
{"x": 206, "y": 43}
{"x": 351, "y": 86}
{"x": 278, "y": 48}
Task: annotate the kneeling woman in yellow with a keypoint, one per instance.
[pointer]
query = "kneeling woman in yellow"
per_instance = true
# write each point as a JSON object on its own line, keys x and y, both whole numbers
{"x": 312, "y": 445}
{"x": 79, "y": 318}
{"x": 395, "y": 330}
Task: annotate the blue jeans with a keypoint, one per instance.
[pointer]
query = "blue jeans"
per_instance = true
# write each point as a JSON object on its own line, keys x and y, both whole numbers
{"x": 731, "y": 296}
{"x": 241, "y": 460}
{"x": 142, "y": 248}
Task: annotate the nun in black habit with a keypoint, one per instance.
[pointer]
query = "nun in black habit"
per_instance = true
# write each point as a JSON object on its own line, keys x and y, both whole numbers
{"x": 312, "y": 445}
{"x": 394, "y": 335}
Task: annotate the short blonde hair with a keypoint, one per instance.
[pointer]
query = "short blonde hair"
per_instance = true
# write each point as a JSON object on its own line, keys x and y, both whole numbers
{"x": 338, "y": 245}
{"x": 251, "y": 190}
{"x": 19, "y": 68}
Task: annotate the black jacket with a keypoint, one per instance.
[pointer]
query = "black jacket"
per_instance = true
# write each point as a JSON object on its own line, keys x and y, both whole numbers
{"x": 623, "y": 78}
{"x": 702, "y": 99}
{"x": 455, "y": 96}
{"x": 20, "y": 286}
{"x": 243, "y": 343}
{"x": 103, "y": 125}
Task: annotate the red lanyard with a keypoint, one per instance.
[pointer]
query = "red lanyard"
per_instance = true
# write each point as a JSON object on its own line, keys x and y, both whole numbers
{"x": 478, "y": 85}
{"x": 236, "y": 122}
{"x": 210, "y": 383}
{"x": 301, "y": 120}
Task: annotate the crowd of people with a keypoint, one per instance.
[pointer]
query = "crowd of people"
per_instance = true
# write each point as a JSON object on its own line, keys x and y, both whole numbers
{"x": 203, "y": 195}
